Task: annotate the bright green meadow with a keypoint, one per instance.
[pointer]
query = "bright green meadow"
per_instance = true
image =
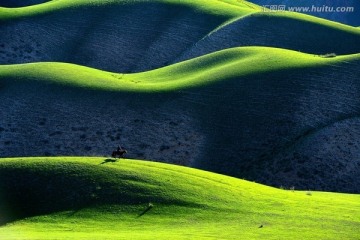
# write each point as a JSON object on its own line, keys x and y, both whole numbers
{"x": 186, "y": 203}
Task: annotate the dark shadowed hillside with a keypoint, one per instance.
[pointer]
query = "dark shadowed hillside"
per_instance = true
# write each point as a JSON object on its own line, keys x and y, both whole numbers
{"x": 20, "y": 3}
{"x": 306, "y": 122}
{"x": 127, "y": 38}
{"x": 146, "y": 35}
{"x": 279, "y": 30}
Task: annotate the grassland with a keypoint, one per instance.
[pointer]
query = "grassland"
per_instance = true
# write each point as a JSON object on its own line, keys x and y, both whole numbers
{"x": 107, "y": 200}
{"x": 217, "y": 67}
{"x": 123, "y": 36}
{"x": 230, "y": 8}
{"x": 167, "y": 114}
{"x": 216, "y": 85}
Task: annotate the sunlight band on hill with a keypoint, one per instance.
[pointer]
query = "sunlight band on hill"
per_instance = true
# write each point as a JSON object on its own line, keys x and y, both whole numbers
{"x": 220, "y": 66}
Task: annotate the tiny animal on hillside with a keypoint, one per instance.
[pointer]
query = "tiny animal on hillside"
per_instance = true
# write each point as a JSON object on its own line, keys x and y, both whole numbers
{"x": 119, "y": 153}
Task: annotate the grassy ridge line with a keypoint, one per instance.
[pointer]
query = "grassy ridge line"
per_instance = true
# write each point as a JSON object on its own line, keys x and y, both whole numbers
{"x": 231, "y": 8}
{"x": 272, "y": 29}
{"x": 171, "y": 179}
{"x": 302, "y": 18}
{"x": 166, "y": 24}
{"x": 220, "y": 207}
{"x": 219, "y": 66}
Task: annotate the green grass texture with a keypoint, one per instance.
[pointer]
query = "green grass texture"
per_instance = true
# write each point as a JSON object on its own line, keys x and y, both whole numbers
{"x": 230, "y": 8}
{"x": 224, "y": 65}
{"x": 89, "y": 197}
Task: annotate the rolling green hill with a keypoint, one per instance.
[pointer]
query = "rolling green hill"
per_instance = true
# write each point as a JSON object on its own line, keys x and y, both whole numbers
{"x": 125, "y": 36}
{"x": 217, "y": 67}
{"x": 82, "y": 198}
{"x": 246, "y": 112}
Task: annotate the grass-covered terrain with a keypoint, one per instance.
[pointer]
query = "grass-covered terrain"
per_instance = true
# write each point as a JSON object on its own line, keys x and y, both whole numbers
{"x": 215, "y": 85}
{"x": 126, "y": 36}
{"x": 257, "y": 113}
{"x": 82, "y": 198}
{"x": 221, "y": 66}
{"x": 230, "y": 8}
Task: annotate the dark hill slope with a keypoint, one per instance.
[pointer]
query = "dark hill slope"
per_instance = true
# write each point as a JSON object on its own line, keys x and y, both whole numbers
{"x": 147, "y": 35}
{"x": 47, "y": 185}
{"x": 247, "y": 112}
{"x": 305, "y": 121}
{"x": 115, "y": 37}
{"x": 283, "y": 30}
{"x": 20, "y": 3}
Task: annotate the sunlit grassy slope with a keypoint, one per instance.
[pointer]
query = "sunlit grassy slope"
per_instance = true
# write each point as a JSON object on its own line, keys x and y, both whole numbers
{"x": 136, "y": 36}
{"x": 82, "y": 198}
{"x": 230, "y": 8}
{"x": 224, "y": 65}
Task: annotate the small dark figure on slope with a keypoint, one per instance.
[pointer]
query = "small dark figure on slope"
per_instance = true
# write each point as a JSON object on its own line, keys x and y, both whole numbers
{"x": 119, "y": 153}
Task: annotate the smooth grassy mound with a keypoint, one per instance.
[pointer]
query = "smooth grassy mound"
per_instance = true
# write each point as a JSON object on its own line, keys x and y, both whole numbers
{"x": 244, "y": 112}
{"x": 125, "y": 36}
{"x": 217, "y": 67}
{"x": 95, "y": 198}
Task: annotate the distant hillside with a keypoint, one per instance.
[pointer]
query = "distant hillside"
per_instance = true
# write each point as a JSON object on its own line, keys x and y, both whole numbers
{"x": 113, "y": 37}
{"x": 283, "y": 30}
{"x": 350, "y": 18}
{"x": 123, "y": 37}
{"x": 275, "y": 116}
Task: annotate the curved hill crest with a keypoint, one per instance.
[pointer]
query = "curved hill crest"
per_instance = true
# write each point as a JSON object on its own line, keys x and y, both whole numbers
{"x": 142, "y": 36}
{"x": 98, "y": 197}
